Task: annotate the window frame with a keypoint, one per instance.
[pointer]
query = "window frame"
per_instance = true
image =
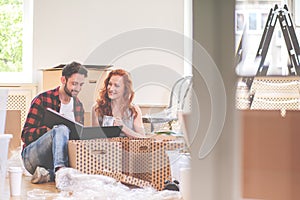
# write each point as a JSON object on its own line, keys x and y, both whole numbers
{"x": 24, "y": 76}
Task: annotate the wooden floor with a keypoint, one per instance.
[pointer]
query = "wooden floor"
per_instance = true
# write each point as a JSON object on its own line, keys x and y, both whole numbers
{"x": 29, "y": 189}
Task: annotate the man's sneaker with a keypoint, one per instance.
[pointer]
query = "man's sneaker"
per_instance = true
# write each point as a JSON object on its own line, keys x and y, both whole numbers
{"x": 41, "y": 175}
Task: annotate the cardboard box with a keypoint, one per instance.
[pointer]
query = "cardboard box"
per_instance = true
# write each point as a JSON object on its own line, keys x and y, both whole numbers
{"x": 90, "y": 156}
{"x": 141, "y": 162}
{"x": 137, "y": 157}
{"x": 126, "y": 179}
{"x": 13, "y": 126}
{"x": 146, "y": 158}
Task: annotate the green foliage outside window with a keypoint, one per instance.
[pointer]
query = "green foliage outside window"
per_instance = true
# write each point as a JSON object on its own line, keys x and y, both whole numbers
{"x": 11, "y": 13}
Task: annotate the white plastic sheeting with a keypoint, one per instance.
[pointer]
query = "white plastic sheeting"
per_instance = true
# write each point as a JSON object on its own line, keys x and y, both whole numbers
{"x": 76, "y": 185}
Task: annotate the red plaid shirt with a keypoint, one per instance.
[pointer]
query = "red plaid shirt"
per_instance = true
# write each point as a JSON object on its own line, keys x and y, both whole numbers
{"x": 34, "y": 126}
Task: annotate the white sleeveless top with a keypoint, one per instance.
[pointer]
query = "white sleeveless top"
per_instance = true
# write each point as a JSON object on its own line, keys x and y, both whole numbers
{"x": 67, "y": 110}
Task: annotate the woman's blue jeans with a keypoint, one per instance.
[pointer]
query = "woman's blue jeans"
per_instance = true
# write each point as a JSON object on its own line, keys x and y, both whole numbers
{"x": 49, "y": 151}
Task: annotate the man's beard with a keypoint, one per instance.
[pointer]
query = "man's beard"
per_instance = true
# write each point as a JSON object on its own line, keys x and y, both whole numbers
{"x": 67, "y": 91}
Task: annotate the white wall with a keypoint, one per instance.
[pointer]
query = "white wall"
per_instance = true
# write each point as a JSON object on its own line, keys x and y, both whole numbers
{"x": 67, "y": 30}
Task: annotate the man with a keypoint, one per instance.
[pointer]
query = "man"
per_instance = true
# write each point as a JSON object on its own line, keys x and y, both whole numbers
{"x": 45, "y": 150}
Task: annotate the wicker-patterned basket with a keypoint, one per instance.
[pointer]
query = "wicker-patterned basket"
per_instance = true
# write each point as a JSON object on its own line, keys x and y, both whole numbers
{"x": 270, "y": 93}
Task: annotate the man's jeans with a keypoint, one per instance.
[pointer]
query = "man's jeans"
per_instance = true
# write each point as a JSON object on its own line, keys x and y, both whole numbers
{"x": 49, "y": 151}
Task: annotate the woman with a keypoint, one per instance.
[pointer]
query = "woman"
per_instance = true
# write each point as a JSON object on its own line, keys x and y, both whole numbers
{"x": 115, "y": 99}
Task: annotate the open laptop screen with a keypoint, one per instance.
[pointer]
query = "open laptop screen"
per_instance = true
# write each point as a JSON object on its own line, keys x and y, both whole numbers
{"x": 78, "y": 131}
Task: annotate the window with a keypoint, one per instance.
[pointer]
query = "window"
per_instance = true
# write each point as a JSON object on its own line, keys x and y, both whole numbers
{"x": 264, "y": 17}
{"x": 15, "y": 42}
{"x": 11, "y": 13}
{"x": 255, "y": 15}
{"x": 252, "y": 21}
{"x": 240, "y": 22}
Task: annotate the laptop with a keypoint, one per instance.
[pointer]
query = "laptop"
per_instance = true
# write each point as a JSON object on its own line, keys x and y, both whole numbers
{"x": 3, "y": 105}
{"x": 78, "y": 131}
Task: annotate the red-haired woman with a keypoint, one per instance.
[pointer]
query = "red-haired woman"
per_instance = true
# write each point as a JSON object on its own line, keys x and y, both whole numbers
{"x": 115, "y": 99}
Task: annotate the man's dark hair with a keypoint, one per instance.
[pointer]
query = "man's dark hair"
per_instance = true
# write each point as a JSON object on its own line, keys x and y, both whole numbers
{"x": 74, "y": 68}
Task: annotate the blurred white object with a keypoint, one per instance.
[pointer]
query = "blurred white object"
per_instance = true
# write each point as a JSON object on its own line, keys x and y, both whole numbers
{"x": 185, "y": 185}
{"x": 178, "y": 161}
{"x": 4, "y": 142}
{"x": 15, "y": 160}
{"x": 3, "y": 104}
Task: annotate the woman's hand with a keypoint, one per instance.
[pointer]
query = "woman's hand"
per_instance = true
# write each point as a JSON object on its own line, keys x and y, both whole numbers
{"x": 118, "y": 122}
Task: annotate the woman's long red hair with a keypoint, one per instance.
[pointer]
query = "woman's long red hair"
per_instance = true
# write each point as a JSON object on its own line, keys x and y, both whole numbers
{"x": 104, "y": 102}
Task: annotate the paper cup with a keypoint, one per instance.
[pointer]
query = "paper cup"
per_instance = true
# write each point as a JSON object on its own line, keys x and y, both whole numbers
{"x": 15, "y": 180}
{"x": 108, "y": 120}
{"x": 4, "y": 142}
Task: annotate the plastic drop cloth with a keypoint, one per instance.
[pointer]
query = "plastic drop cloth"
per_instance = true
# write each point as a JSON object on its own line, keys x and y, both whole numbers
{"x": 73, "y": 185}
{"x": 76, "y": 185}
